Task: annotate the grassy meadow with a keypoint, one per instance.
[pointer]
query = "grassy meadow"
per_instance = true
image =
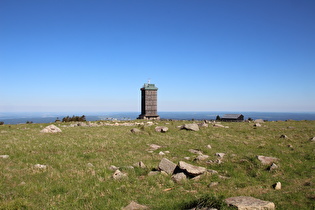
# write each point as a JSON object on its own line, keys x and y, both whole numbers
{"x": 78, "y": 160}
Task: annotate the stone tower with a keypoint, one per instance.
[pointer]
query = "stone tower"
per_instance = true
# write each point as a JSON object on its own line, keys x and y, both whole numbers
{"x": 149, "y": 102}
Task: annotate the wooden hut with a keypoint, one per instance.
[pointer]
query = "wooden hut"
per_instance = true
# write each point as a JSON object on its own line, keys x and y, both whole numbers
{"x": 233, "y": 118}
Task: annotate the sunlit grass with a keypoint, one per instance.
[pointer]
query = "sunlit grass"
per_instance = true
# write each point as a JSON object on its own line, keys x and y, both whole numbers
{"x": 78, "y": 160}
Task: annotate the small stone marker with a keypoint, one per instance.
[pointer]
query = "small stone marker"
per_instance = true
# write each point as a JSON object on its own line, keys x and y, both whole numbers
{"x": 51, "y": 129}
{"x": 133, "y": 206}
{"x": 167, "y": 166}
{"x": 248, "y": 203}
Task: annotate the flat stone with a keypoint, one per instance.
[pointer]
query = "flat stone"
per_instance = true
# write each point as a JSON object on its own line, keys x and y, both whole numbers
{"x": 213, "y": 184}
{"x": 39, "y": 166}
{"x": 195, "y": 151}
{"x": 167, "y": 166}
{"x": 273, "y": 167}
{"x": 180, "y": 177}
{"x": 209, "y": 146}
{"x": 257, "y": 125}
{"x": 133, "y": 206}
{"x": 259, "y": 121}
{"x": 161, "y": 129}
{"x": 4, "y": 156}
{"x": 202, "y": 157}
{"x": 249, "y": 203}
{"x": 154, "y": 146}
{"x": 191, "y": 127}
{"x": 266, "y": 160}
{"x": 113, "y": 168}
{"x": 153, "y": 173}
{"x": 191, "y": 169}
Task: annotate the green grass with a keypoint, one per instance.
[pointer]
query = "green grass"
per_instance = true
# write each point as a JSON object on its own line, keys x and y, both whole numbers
{"x": 69, "y": 183}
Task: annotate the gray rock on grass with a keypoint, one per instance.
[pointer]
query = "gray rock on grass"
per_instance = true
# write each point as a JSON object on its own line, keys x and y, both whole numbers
{"x": 119, "y": 175}
{"x": 267, "y": 160}
{"x": 4, "y": 156}
{"x": 135, "y": 130}
{"x": 249, "y": 203}
{"x": 190, "y": 127}
{"x": 191, "y": 169}
{"x": 180, "y": 177}
{"x": 161, "y": 129}
{"x": 167, "y": 166}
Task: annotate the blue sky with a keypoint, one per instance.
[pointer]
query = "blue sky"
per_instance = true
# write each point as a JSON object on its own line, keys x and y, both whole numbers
{"x": 203, "y": 55}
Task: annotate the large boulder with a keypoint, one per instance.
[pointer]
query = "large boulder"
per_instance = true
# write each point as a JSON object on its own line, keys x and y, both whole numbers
{"x": 191, "y": 169}
{"x": 249, "y": 203}
{"x": 167, "y": 166}
{"x": 51, "y": 129}
{"x": 191, "y": 127}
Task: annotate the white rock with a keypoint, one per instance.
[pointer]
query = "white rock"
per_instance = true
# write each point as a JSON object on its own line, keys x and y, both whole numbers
{"x": 39, "y": 166}
{"x": 51, "y": 129}
{"x": 220, "y": 155}
{"x": 161, "y": 153}
{"x": 209, "y": 146}
{"x": 4, "y": 156}
{"x": 119, "y": 175}
{"x": 278, "y": 186}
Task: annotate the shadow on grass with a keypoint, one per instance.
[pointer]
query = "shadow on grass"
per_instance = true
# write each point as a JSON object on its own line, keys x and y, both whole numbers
{"x": 206, "y": 202}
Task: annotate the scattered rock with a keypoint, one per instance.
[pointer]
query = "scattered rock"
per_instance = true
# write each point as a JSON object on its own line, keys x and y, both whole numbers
{"x": 153, "y": 173}
{"x": 161, "y": 129}
{"x": 195, "y": 151}
{"x": 135, "y": 130}
{"x": 248, "y": 203}
{"x": 283, "y": 136}
{"x": 191, "y": 127}
{"x": 218, "y": 125}
{"x": 205, "y": 125}
{"x": 257, "y": 125}
{"x": 39, "y": 166}
{"x": 51, "y": 129}
{"x": 119, "y": 175}
{"x": 202, "y": 157}
{"x": 180, "y": 177}
{"x": 259, "y": 121}
{"x": 154, "y": 146}
{"x": 4, "y": 156}
{"x": 273, "y": 167}
{"x": 139, "y": 165}
{"x": 277, "y": 186}
{"x": 90, "y": 165}
{"x": 133, "y": 206}
{"x": 266, "y": 160}
{"x": 191, "y": 169}
{"x": 209, "y": 146}
{"x": 312, "y": 139}
{"x": 113, "y": 168}
{"x": 210, "y": 171}
{"x": 161, "y": 153}
{"x": 187, "y": 158}
{"x": 167, "y": 166}
{"x": 213, "y": 184}
{"x": 220, "y": 155}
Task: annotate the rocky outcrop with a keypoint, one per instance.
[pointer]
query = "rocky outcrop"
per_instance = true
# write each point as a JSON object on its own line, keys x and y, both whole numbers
{"x": 51, "y": 129}
{"x": 249, "y": 203}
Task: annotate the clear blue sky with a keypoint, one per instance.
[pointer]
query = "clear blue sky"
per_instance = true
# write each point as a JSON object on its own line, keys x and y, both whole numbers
{"x": 203, "y": 55}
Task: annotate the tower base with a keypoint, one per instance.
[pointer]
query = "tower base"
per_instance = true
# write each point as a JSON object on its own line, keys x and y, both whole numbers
{"x": 149, "y": 117}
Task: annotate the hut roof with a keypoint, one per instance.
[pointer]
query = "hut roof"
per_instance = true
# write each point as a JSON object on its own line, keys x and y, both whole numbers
{"x": 231, "y": 116}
